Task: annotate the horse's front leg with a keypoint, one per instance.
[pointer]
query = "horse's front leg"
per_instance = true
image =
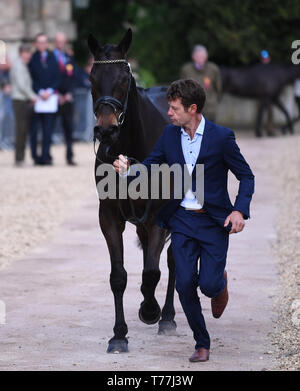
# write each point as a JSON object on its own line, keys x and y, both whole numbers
{"x": 112, "y": 230}
{"x": 261, "y": 108}
{"x": 150, "y": 311}
{"x": 289, "y": 122}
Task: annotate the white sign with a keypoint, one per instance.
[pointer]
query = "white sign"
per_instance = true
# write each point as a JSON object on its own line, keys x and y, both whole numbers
{"x": 47, "y": 106}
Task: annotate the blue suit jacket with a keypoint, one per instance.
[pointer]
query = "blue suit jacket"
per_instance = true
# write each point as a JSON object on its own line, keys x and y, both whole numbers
{"x": 44, "y": 75}
{"x": 67, "y": 80}
{"x": 219, "y": 153}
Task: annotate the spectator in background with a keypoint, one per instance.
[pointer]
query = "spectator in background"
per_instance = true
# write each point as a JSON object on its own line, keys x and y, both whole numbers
{"x": 84, "y": 115}
{"x": 22, "y": 95}
{"x": 82, "y": 75}
{"x": 4, "y": 75}
{"x": 6, "y": 110}
{"x": 266, "y": 59}
{"x": 208, "y": 75}
{"x": 46, "y": 77}
{"x": 66, "y": 91}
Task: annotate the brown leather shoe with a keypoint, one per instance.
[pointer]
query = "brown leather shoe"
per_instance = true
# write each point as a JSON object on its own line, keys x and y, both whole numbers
{"x": 218, "y": 303}
{"x": 200, "y": 354}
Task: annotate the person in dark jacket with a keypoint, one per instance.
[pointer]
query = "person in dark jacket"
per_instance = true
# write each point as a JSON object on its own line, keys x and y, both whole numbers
{"x": 208, "y": 75}
{"x": 66, "y": 89}
{"x": 200, "y": 226}
{"x": 84, "y": 121}
{"x": 46, "y": 77}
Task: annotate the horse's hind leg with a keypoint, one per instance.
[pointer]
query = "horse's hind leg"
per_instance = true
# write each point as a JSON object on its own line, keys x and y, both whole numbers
{"x": 167, "y": 325}
{"x": 112, "y": 231}
{"x": 287, "y": 116}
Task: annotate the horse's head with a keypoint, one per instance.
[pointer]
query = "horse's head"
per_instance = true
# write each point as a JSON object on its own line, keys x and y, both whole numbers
{"x": 110, "y": 78}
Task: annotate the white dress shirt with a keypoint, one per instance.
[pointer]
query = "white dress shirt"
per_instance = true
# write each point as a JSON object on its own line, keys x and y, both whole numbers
{"x": 191, "y": 149}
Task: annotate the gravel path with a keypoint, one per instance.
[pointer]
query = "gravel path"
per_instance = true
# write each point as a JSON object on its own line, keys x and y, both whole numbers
{"x": 35, "y": 199}
{"x": 59, "y": 307}
{"x": 286, "y": 170}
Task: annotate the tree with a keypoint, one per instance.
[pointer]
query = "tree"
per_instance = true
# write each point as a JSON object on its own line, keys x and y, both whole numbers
{"x": 164, "y": 32}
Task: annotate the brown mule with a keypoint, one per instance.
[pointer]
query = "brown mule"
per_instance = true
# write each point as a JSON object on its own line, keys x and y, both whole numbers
{"x": 200, "y": 355}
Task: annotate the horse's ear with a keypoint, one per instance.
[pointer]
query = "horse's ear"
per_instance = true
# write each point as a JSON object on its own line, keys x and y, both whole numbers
{"x": 126, "y": 41}
{"x": 93, "y": 44}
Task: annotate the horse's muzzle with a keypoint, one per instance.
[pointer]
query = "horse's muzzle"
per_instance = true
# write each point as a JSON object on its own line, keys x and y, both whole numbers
{"x": 110, "y": 133}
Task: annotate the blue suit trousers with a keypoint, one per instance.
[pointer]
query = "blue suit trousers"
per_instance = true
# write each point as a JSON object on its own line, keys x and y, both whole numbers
{"x": 46, "y": 121}
{"x": 197, "y": 236}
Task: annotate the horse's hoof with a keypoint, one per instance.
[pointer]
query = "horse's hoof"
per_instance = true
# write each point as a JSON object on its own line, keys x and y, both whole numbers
{"x": 149, "y": 315}
{"x": 167, "y": 327}
{"x": 117, "y": 346}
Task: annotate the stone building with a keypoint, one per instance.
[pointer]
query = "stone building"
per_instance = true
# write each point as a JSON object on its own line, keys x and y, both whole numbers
{"x": 21, "y": 20}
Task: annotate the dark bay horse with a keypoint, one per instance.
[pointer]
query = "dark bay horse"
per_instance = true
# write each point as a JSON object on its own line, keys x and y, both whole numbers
{"x": 129, "y": 122}
{"x": 264, "y": 82}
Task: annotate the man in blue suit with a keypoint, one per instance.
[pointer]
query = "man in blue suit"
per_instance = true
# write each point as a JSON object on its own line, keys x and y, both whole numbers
{"x": 200, "y": 230}
{"x": 45, "y": 76}
{"x": 66, "y": 91}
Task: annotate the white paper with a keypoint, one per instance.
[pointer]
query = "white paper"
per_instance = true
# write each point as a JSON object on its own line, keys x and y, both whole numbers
{"x": 47, "y": 106}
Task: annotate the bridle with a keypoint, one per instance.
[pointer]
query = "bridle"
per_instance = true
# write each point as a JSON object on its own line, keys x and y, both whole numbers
{"x": 115, "y": 104}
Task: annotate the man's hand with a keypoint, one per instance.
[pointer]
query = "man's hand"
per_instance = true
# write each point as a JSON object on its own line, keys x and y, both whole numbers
{"x": 68, "y": 97}
{"x": 121, "y": 165}
{"x": 237, "y": 221}
{"x": 45, "y": 95}
{"x": 61, "y": 99}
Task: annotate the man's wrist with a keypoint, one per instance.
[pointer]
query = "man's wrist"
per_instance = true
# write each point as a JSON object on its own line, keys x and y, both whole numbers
{"x": 238, "y": 212}
{"x": 124, "y": 174}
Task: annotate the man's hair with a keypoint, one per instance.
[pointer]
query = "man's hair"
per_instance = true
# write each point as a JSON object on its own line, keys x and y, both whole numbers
{"x": 41, "y": 34}
{"x": 189, "y": 91}
{"x": 25, "y": 47}
{"x": 198, "y": 48}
